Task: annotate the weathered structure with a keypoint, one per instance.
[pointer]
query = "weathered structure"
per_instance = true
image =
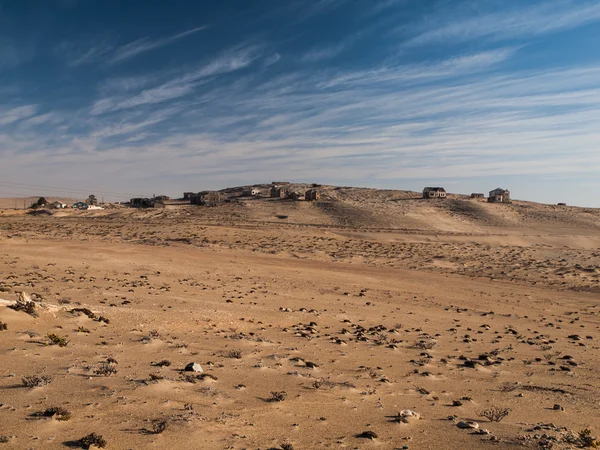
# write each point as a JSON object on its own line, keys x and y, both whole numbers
{"x": 477, "y": 195}
{"x": 140, "y": 202}
{"x": 295, "y": 195}
{"x": 80, "y": 205}
{"x": 278, "y": 192}
{"x": 208, "y": 198}
{"x": 58, "y": 205}
{"x": 312, "y": 195}
{"x": 499, "y": 195}
{"x": 250, "y": 192}
{"x": 434, "y": 192}
{"x": 188, "y": 195}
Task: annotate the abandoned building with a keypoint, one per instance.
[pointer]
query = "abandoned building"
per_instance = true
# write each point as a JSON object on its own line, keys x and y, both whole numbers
{"x": 278, "y": 192}
{"x": 295, "y": 195}
{"x": 250, "y": 192}
{"x": 208, "y": 198}
{"x": 434, "y": 192}
{"x": 312, "y": 195}
{"x": 477, "y": 195}
{"x": 188, "y": 195}
{"x": 499, "y": 195}
{"x": 141, "y": 202}
{"x": 58, "y": 205}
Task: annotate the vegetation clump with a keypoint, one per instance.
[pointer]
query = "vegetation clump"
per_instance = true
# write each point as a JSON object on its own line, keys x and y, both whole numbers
{"x": 25, "y": 304}
{"x": 57, "y": 412}
{"x": 55, "y": 339}
{"x": 105, "y": 369}
{"x": 93, "y": 439}
{"x": 35, "y": 381}
{"x": 278, "y": 396}
{"x": 494, "y": 413}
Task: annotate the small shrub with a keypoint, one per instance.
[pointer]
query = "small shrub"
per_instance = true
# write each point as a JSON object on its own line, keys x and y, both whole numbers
{"x": 425, "y": 345}
{"x": 158, "y": 426}
{"x": 236, "y": 354}
{"x": 55, "y": 339}
{"x": 24, "y": 304}
{"x": 3, "y": 326}
{"x": 35, "y": 381}
{"x": 105, "y": 369}
{"x": 287, "y": 446}
{"x": 82, "y": 330}
{"x": 494, "y": 413}
{"x": 163, "y": 363}
{"x": 586, "y": 440}
{"x": 57, "y": 412}
{"x": 93, "y": 439}
{"x": 277, "y": 396}
{"x": 4, "y": 439}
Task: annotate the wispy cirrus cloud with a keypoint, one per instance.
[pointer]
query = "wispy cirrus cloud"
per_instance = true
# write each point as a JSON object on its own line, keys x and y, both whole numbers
{"x": 78, "y": 54}
{"x": 322, "y": 53}
{"x": 230, "y": 61}
{"x": 143, "y": 45}
{"x": 9, "y": 116}
{"x": 461, "y": 25}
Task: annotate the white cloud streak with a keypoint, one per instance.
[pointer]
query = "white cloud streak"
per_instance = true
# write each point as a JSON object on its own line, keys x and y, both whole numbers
{"x": 522, "y": 22}
{"x": 143, "y": 45}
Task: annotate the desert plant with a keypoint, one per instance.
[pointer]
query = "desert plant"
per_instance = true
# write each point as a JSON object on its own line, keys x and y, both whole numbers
{"x": 286, "y": 446}
{"x": 277, "y": 396}
{"x": 163, "y": 363}
{"x": 424, "y": 344}
{"x": 93, "y": 439}
{"x": 24, "y": 304}
{"x": 586, "y": 440}
{"x": 158, "y": 426}
{"x": 494, "y": 413}
{"x": 55, "y": 339}
{"x": 57, "y": 412}
{"x": 235, "y": 354}
{"x": 83, "y": 330}
{"x": 105, "y": 369}
{"x": 35, "y": 381}
{"x": 3, "y": 326}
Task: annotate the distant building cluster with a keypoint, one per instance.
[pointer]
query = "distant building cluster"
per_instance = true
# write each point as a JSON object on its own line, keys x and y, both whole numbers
{"x": 498, "y": 195}
{"x": 277, "y": 190}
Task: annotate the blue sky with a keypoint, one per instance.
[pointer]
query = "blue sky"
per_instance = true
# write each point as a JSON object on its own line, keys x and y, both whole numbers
{"x": 148, "y": 97}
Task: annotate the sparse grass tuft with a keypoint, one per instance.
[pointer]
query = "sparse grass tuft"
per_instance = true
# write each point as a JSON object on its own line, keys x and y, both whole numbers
{"x": 424, "y": 344}
{"x": 277, "y": 396}
{"x": 35, "y": 381}
{"x": 55, "y": 339}
{"x": 494, "y": 413}
{"x": 57, "y": 412}
{"x": 105, "y": 369}
{"x": 93, "y": 439}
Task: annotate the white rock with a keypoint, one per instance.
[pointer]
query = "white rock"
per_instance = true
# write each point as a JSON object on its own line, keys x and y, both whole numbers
{"x": 467, "y": 425}
{"x": 193, "y": 367}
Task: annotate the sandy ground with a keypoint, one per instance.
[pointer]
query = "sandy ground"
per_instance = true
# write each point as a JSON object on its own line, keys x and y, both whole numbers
{"x": 346, "y": 326}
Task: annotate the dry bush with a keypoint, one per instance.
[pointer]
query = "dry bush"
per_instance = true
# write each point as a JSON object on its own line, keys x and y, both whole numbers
{"x": 586, "y": 440}
{"x": 235, "y": 354}
{"x": 425, "y": 344}
{"x": 93, "y": 439}
{"x": 494, "y": 413}
{"x": 35, "y": 381}
{"x": 57, "y": 412}
{"x": 163, "y": 363}
{"x": 105, "y": 369}
{"x": 27, "y": 306}
{"x": 3, "y": 326}
{"x": 82, "y": 330}
{"x": 55, "y": 339}
{"x": 158, "y": 426}
{"x": 277, "y": 396}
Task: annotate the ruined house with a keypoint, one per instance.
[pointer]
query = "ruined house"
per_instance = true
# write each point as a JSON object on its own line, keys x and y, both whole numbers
{"x": 250, "y": 192}
{"x": 477, "y": 195}
{"x": 208, "y": 198}
{"x": 139, "y": 202}
{"x": 434, "y": 192}
{"x": 499, "y": 195}
{"x": 312, "y": 195}
{"x": 278, "y": 192}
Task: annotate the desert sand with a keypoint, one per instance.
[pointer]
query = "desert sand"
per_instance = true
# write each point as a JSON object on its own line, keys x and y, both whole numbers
{"x": 369, "y": 319}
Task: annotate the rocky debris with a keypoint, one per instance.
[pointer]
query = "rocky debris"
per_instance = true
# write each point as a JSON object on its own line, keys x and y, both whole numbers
{"x": 467, "y": 425}
{"x": 406, "y": 415}
{"x": 193, "y": 367}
